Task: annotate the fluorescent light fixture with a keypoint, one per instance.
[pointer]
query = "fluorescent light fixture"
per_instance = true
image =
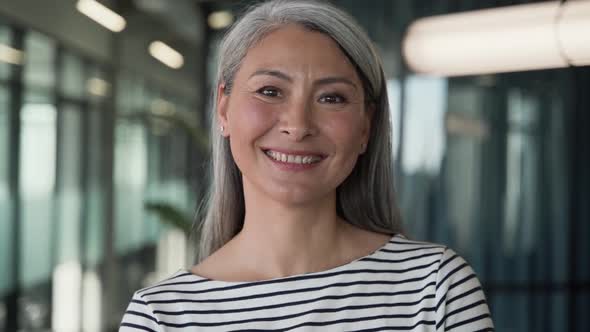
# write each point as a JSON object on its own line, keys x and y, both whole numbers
{"x": 220, "y": 19}
{"x": 166, "y": 54}
{"x": 574, "y": 32}
{"x": 98, "y": 87}
{"x": 11, "y": 55}
{"x": 101, "y": 15}
{"x": 515, "y": 38}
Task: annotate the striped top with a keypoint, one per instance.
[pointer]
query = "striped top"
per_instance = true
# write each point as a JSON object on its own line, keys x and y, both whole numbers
{"x": 405, "y": 285}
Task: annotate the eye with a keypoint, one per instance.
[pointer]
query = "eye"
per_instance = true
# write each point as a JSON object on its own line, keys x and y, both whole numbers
{"x": 269, "y": 91}
{"x": 332, "y": 99}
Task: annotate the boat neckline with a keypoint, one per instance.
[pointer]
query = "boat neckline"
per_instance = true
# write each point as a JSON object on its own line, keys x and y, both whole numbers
{"x": 299, "y": 275}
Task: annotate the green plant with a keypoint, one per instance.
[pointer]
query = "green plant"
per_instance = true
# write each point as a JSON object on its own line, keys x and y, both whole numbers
{"x": 168, "y": 213}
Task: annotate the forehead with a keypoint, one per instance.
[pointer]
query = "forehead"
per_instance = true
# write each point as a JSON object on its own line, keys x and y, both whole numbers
{"x": 301, "y": 51}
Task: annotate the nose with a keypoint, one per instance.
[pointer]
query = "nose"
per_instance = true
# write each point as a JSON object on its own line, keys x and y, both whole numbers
{"x": 297, "y": 121}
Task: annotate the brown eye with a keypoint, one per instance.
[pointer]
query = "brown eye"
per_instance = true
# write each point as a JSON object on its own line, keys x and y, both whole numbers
{"x": 332, "y": 99}
{"x": 269, "y": 91}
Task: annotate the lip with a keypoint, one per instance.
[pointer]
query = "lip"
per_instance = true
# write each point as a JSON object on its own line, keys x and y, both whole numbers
{"x": 292, "y": 167}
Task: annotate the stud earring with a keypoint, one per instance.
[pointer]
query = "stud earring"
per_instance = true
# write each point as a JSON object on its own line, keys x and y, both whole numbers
{"x": 221, "y": 128}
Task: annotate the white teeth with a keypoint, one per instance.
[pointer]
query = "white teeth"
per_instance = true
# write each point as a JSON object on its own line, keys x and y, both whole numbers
{"x": 293, "y": 159}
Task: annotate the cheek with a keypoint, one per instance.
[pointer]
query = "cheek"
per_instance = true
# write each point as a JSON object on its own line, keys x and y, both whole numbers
{"x": 250, "y": 119}
{"x": 345, "y": 130}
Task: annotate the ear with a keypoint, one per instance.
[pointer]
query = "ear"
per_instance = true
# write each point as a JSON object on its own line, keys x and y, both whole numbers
{"x": 366, "y": 130}
{"x": 222, "y": 106}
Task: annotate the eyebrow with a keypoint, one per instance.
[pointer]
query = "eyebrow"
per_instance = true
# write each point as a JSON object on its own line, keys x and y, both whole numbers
{"x": 274, "y": 73}
{"x": 331, "y": 80}
{"x": 322, "y": 81}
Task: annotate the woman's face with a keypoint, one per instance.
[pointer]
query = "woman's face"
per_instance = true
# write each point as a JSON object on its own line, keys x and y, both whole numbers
{"x": 295, "y": 117}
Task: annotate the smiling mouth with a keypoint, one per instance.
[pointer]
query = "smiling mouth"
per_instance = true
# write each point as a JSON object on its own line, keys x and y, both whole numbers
{"x": 297, "y": 159}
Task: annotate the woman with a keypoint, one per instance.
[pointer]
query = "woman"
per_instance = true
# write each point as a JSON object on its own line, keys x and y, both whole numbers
{"x": 302, "y": 230}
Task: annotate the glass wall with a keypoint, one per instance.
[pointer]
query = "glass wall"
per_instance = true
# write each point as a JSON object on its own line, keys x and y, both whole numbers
{"x": 6, "y": 199}
{"x": 37, "y": 178}
{"x": 504, "y": 167}
{"x": 152, "y": 143}
{"x": 57, "y": 114}
{"x": 98, "y": 92}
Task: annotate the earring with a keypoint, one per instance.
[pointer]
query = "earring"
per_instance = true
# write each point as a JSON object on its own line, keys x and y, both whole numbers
{"x": 362, "y": 147}
{"x": 221, "y": 128}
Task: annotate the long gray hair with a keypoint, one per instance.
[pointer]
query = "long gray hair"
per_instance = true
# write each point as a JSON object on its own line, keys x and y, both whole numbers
{"x": 366, "y": 198}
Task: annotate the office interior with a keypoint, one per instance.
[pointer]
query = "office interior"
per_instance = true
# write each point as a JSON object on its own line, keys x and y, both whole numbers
{"x": 103, "y": 151}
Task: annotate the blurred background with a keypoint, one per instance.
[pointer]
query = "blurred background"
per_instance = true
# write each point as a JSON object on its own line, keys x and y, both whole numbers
{"x": 103, "y": 126}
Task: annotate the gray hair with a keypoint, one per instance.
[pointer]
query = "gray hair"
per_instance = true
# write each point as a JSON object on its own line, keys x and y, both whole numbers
{"x": 366, "y": 198}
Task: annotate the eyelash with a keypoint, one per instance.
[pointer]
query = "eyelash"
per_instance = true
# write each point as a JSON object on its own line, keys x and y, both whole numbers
{"x": 275, "y": 93}
{"x": 339, "y": 98}
{"x": 262, "y": 91}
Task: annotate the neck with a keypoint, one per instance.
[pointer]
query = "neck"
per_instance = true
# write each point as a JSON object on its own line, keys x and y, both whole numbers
{"x": 280, "y": 240}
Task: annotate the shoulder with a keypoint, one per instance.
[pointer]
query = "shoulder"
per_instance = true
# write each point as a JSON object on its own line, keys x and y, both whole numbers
{"x": 412, "y": 253}
{"x": 182, "y": 276}
{"x": 437, "y": 257}
{"x": 452, "y": 270}
{"x": 148, "y": 304}
{"x": 139, "y": 315}
{"x": 460, "y": 301}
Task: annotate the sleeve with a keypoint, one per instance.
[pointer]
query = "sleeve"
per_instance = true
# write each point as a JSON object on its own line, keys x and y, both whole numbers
{"x": 460, "y": 302}
{"x": 139, "y": 317}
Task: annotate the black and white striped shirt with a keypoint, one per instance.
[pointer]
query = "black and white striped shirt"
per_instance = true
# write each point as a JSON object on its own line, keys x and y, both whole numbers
{"x": 405, "y": 285}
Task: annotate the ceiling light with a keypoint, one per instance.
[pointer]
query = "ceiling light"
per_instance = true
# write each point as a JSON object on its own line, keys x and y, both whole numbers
{"x": 221, "y": 19}
{"x": 11, "y": 55}
{"x": 101, "y": 15}
{"x": 507, "y": 39}
{"x": 98, "y": 87}
{"x": 574, "y": 32}
{"x": 166, "y": 54}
